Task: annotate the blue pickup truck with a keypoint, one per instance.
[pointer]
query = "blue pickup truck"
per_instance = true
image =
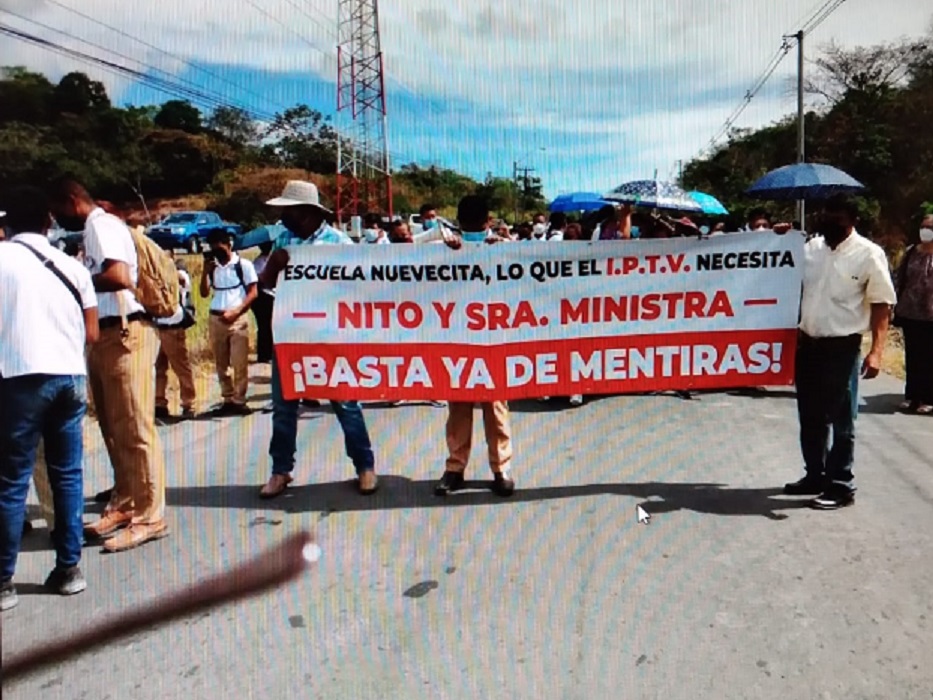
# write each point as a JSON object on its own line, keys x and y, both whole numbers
{"x": 189, "y": 230}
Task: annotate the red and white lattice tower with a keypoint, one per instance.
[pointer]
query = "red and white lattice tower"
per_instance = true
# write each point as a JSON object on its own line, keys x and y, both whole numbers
{"x": 364, "y": 177}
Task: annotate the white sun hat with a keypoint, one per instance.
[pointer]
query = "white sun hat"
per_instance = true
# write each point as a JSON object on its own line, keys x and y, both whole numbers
{"x": 298, "y": 193}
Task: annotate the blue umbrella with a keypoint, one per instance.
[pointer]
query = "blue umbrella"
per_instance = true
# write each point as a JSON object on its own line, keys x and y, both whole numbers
{"x": 804, "y": 181}
{"x": 258, "y": 236}
{"x": 656, "y": 194}
{"x": 710, "y": 205}
{"x": 577, "y": 201}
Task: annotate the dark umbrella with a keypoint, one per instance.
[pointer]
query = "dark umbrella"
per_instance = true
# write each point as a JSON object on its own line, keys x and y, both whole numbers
{"x": 804, "y": 181}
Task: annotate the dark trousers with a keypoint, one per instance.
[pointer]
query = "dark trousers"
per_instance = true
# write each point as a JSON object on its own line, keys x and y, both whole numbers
{"x": 824, "y": 376}
{"x": 262, "y": 312}
{"x": 918, "y": 351}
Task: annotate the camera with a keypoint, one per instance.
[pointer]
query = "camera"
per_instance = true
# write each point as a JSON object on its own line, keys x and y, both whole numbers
{"x": 209, "y": 256}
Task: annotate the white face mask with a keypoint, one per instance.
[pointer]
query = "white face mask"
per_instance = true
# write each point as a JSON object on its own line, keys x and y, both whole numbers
{"x": 926, "y": 235}
{"x": 540, "y": 230}
{"x": 371, "y": 235}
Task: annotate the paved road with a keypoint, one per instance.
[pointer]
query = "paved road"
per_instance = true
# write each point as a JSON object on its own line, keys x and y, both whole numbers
{"x": 731, "y": 591}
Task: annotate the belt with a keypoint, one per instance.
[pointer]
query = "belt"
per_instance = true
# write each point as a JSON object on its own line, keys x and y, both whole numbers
{"x": 838, "y": 339}
{"x": 117, "y": 321}
{"x": 217, "y": 313}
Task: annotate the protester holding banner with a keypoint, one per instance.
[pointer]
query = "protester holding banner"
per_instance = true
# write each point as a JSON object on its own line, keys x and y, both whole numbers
{"x": 305, "y": 224}
{"x": 847, "y": 289}
{"x": 473, "y": 216}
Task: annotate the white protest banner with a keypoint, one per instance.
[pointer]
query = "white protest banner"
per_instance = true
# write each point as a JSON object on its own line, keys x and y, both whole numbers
{"x": 525, "y": 320}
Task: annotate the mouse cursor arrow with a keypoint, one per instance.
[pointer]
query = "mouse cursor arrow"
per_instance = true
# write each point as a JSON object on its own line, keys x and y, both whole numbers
{"x": 643, "y": 515}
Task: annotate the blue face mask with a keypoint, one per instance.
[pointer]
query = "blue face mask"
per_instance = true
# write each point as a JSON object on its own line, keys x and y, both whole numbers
{"x": 474, "y": 236}
{"x": 429, "y": 224}
{"x": 636, "y": 232}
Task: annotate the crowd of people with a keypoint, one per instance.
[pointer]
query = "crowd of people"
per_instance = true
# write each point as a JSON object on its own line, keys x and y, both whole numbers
{"x": 80, "y": 326}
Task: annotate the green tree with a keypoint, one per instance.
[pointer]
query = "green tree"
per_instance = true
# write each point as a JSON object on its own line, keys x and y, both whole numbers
{"x": 303, "y": 138}
{"x": 234, "y": 125}
{"x": 25, "y": 96}
{"x": 180, "y": 115}
{"x": 76, "y": 93}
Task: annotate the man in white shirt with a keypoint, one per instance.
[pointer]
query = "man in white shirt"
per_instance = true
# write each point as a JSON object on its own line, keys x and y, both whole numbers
{"x": 173, "y": 351}
{"x": 847, "y": 290}
{"x": 121, "y": 373}
{"x": 48, "y": 313}
{"x": 306, "y": 224}
{"x": 235, "y": 286}
{"x": 473, "y": 215}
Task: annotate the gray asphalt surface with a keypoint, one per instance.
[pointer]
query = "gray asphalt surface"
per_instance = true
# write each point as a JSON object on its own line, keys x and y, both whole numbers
{"x": 731, "y": 590}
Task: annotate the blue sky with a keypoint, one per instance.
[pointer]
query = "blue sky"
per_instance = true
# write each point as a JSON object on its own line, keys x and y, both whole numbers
{"x": 589, "y": 98}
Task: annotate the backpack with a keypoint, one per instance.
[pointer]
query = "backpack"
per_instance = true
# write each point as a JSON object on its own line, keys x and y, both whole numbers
{"x": 238, "y": 268}
{"x": 157, "y": 287}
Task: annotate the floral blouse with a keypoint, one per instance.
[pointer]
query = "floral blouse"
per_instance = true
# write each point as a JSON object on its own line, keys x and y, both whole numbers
{"x": 915, "y": 291}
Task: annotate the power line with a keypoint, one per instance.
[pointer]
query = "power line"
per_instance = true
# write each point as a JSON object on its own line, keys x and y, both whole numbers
{"x": 155, "y": 82}
{"x": 191, "y": 88}
{"x": 190, "y": 64}
{"x": 816, "y": 19}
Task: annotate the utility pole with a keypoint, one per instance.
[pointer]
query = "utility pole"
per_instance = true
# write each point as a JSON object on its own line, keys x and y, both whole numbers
{"x": 801, "y": 155}
{"x": 515, "y": 191}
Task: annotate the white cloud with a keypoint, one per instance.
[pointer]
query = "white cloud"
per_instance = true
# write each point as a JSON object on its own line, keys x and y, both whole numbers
{"x": 639, "y": 78}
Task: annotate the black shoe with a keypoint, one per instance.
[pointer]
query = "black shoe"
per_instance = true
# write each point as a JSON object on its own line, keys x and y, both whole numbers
{"x": 188, "y": 414}
{"x": 8, "y": 597}
{"x": 234, "y": 409}
{"x": 66, "y": 581}
{"x": 503, "y": 485}
{"x": 103, "y": 496}
{"x": 161, "y": 413}
{"x": 450, "y": 482}
{"x": 807, "y": 486}
{"x": 834, "y": 498}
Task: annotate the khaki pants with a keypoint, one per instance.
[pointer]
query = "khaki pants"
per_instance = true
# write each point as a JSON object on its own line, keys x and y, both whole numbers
{"x": 173, "y": 352}
{"x": 230, "y": 343}
{"x": 460, "y": 435}
{"x": 121, "y": 374}
{"x": 40, "y": 477}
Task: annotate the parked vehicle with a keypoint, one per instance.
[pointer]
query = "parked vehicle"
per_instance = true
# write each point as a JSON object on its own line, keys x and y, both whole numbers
{"x": 189, "y": 230}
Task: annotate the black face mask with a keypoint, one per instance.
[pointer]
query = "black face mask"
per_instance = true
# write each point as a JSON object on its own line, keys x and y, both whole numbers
{"x": 221, "y": 254}
{"x": 833, "y": 231}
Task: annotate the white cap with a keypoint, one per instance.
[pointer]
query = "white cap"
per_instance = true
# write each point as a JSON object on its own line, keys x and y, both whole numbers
{"x": 298, "y": 193}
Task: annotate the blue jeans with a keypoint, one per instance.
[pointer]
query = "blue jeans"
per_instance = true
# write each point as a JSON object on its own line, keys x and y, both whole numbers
{"x": 283, "y": 445}
{"x": 51, "y": 407}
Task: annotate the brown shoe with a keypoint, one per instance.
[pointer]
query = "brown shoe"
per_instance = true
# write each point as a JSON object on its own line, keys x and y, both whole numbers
{"x": 368, "y": 482}
{"x": 108, "y": 524}
{"x": 136, "y": 535}
{"x": 276, "y": 485}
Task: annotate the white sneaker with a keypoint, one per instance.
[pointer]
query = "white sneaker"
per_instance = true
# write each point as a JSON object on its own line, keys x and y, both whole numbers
{"x": 576, "y": 400}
